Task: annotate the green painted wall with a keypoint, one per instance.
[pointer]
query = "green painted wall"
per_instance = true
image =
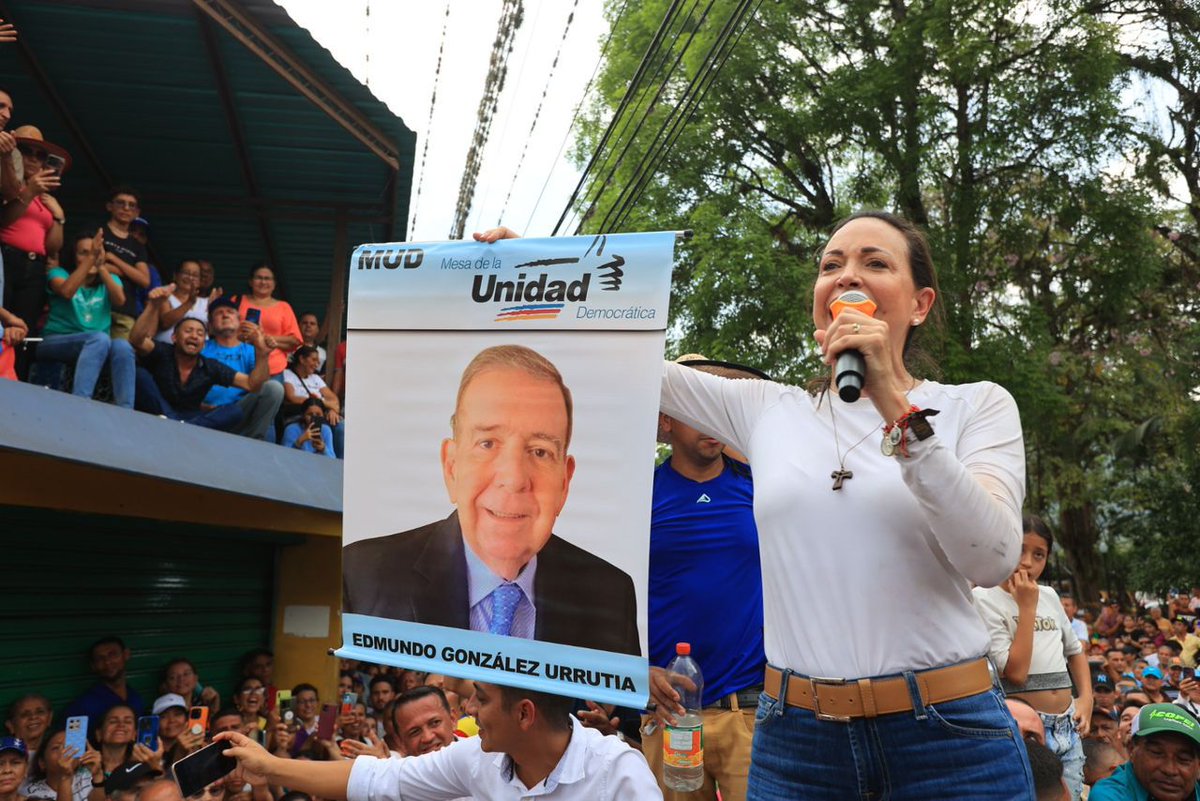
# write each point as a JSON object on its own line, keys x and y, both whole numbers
{"x": 168, "y": 589}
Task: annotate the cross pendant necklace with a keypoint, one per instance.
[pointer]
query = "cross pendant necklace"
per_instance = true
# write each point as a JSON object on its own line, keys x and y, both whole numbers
{"x": 842, "y": 474}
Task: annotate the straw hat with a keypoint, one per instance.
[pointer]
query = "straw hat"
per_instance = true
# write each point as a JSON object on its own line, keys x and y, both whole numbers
{"x": 32, "y": 135}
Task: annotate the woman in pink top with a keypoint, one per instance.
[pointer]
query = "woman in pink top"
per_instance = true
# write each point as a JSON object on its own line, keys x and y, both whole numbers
{"x": 278, "y": 320}
{"x": 32, "y": 226}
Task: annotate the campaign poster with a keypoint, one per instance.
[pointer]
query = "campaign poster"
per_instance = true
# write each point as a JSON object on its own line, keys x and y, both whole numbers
{"x": 502, "y": 407}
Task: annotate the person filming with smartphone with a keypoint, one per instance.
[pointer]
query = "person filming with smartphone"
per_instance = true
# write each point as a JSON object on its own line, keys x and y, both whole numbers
{"x": 310, "y": 432}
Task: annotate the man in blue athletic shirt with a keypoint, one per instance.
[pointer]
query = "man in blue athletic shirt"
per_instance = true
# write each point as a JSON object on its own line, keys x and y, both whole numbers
{"x": 226, "y": 345}
{"x": 706, "y": 589}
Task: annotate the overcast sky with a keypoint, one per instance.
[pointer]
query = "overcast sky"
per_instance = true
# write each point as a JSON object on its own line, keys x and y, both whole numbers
{"x": 394, "y": 50}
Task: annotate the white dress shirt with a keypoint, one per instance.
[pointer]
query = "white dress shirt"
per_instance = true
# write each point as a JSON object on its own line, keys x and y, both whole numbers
{"x": 593, "y": 768}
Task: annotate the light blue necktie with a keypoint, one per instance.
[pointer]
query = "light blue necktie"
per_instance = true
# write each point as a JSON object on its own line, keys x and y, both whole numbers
{"x": 504, "y": 606}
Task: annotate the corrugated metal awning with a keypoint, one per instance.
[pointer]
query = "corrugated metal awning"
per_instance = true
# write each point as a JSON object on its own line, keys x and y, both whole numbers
{"x": 246, "y": 137}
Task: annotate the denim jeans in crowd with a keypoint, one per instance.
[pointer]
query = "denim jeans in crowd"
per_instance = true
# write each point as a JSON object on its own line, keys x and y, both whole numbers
{"x": 151, "y": 400}
{"x": 259, "y": 410}
{"x": 1063, "y": 740}
{"x": 969, "y": 748}
{"x": 89, "y": 353}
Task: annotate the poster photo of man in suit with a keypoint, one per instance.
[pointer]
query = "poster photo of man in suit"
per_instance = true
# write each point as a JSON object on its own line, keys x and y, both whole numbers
{"x": 496, "y": 564}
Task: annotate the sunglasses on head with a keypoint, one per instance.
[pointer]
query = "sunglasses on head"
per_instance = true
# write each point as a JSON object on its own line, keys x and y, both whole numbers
{"x": 29, "y": 151}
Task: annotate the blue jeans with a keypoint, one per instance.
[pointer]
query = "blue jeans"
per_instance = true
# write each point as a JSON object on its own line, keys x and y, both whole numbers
{"x": 969, "y": 748}
{"x": 150, "y": 399}
{"x": 1063, "y": 740}
{"x": 89, "y": 353}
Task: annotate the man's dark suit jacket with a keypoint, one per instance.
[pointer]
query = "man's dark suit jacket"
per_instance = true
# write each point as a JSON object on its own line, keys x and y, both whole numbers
{"x": 421, "y": 576}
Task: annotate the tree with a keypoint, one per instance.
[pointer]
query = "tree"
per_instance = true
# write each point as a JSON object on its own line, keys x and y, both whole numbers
{"x": 999, "y": 125}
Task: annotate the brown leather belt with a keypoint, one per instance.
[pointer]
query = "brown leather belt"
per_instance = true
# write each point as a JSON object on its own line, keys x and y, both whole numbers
{"x": 843, "y": 699}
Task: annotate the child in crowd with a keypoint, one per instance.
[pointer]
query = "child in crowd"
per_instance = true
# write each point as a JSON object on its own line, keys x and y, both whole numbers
{"x": 1037, "y": 652}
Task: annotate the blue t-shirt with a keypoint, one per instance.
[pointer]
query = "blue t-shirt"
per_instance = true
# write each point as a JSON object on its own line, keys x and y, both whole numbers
{"x": 240, "y": 358}
{"x": 98, "y": 699}
{"x": 88, "y": 310}
{"x": 706, "y": 577}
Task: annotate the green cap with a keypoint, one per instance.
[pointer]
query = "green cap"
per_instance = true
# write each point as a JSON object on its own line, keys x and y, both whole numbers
{"x": 1158, "y": 718}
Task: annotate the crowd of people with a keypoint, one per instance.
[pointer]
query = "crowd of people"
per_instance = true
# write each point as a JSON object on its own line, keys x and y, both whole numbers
{"x": 377, "y": 711}
{"x": 87, "y": 308}
{"x": 910, "y": 685}
{"x": 1140, "y": 660}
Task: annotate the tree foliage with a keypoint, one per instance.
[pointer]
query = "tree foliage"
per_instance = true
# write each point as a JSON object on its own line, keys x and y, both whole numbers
{"x": 1061, "y": 208}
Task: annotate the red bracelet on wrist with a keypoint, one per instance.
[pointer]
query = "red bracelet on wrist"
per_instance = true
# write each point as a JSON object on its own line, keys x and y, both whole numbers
{"x": 895, "y": 434}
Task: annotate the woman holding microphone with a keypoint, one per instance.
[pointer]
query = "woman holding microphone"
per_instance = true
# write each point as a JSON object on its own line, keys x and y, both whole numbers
{"x": 874, "y": 519}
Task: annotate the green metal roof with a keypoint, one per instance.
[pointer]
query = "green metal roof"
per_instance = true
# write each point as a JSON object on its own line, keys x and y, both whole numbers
{"x": 246, "y": 138}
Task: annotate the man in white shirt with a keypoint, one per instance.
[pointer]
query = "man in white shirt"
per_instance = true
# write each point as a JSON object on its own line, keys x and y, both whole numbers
{"x": 528, "y": 746}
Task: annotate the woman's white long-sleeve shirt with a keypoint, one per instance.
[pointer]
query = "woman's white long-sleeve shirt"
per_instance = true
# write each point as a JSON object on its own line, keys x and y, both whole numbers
{"x": 875, "y": 578}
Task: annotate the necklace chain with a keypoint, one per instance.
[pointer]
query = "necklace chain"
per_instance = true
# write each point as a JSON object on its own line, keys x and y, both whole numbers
{"x": 841, "y": 474}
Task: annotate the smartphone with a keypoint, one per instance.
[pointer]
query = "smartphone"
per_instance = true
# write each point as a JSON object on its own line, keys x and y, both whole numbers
{"x": 77, "y": 735}
{"x": 56, "y": 163}
{"x": 199, "y": 719}
{"x": 201, "y": 768}
{"x": 348, "y": 702}
{"x": 326, "y": 722}
{"x": 148, "y": 731}
{"x": 280, "y": 697}
{"x": 253, "y": 315}
{"x": 287, "y": 709}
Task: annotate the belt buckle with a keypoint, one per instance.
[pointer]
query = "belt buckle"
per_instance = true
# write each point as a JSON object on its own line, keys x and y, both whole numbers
{"x": 813, "y": 681}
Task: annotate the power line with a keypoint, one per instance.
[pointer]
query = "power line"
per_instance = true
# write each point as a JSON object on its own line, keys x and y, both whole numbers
{"x": 538, "y": 112}
{"x": 575, "y": 116}
{"x": 691, "y": 101}
{"x": 511, "y": 17}
{"x": 603, "y": 184}
{"x": 634, "y": 115}
{"x": 437, "y": 76}
{"x": 512, "y": 90}
{"x": 698, "y": 101}
{"x": 632, "y": 89}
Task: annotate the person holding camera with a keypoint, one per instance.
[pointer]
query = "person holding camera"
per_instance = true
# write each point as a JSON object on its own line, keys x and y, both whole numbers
{"x": 301, "y": 383}
{"x": 31, "y": 227}
{"x": 310, "y": 432}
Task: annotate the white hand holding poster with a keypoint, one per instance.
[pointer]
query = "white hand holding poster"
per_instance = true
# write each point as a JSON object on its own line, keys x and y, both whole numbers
{"x": 498, "y": 481}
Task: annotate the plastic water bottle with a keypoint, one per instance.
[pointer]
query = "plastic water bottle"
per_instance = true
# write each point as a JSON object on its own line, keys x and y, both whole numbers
{"x": 683, "y": 743}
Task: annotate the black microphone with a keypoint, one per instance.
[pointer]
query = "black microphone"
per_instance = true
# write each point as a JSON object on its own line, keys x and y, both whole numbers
{"x": 850, "y": 370}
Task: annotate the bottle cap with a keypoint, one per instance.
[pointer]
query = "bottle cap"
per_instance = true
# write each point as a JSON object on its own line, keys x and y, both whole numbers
{"x": 683, "y": 648}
